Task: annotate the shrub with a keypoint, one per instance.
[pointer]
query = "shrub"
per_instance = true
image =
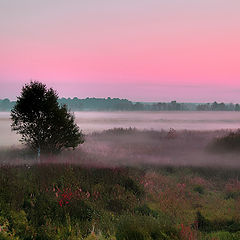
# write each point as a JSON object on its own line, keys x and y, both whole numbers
{"x": 131, "y": 185}
{"x": 144, "y": 210}
{"x": 232, "y": 195}
{"x": 144, "y": 228}
{"x": 80, "y": 210}
{"x": 5, "y": 232}
{"x": 231, "y": 142}
{"x": 203, "y": 223}
{"x": 117, "y": 205}
{"x": 20, "y": 223}
{"x": 199, "y": 189}
{"x": 7, "y": 236}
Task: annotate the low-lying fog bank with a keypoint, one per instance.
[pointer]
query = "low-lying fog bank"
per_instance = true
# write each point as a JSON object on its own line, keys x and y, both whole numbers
{"x": 131, "y": 147}
{"x": 99, "y": 121}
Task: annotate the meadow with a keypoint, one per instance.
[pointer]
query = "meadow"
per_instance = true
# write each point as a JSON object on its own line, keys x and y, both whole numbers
{"x": 64, "y": 201}
{"x": 123, "y": 184}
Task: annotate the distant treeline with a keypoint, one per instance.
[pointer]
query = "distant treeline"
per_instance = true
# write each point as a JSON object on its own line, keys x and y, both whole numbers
{"x": 116, "y": 104}
{"x": 6, "y": 105}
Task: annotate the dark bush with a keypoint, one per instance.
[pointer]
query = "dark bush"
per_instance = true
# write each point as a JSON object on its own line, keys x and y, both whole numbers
{"x": 80, "y": 210}
{"x": 232, "y": 195}
{"x": 144, "y": 210}
{"x": 205, "y": 225}
{"x": 117, "y": 205}
{"x": 132, "y": 186}
{"x": 231, "y": 142}
{"x": 199, "y": 189}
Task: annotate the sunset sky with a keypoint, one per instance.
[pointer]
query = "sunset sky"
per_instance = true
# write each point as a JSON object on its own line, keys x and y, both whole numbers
{"x": 143, "y": 50}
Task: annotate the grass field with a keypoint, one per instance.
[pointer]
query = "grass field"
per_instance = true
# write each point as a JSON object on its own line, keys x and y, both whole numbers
{"x": 123, "y": 184}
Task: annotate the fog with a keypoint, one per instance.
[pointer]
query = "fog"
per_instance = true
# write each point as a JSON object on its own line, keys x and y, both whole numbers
{"x": 97, "y": 121}
{"x": 133, "y": 147}
{"x": 149, "y": 144}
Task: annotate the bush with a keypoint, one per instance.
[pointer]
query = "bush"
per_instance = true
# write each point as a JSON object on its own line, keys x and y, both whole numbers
{"x": 117, "y": 205}
{"x": 20, "y": 223}
{"x": 130, "y": 185}
{"x": 199, "y": 189}
{"x": 205, "y": 225}
{"x": 231, "y": 142}
{"x": 144, "y": 210}
{"x": 232, "y": 195}
{"x": 7, "y": 236}
{"x": 144, "y": 228}
{"x": 5, "y": 232}
{"x": 80, "y": 210}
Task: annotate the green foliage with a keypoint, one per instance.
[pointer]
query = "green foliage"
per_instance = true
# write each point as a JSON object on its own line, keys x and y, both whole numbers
{"x": 127, "y": 203}
{"x": 144, "y": 228}
{"x": 232, "y": 195}
{"x": 7, "y": 236}
{"x": 205, "y": 225}
{"x": 80, "y": 210}
{"x": 116, "y": 205}
{"x": 19, "y": 222}
{"x": 223, "y": 236}
{"x": 130, "y": 185}
{"x": 144, "y": 210}
{"x": 199, "y": 189}
{"x": 30, "y": 200}
{"x": 42, "y": 123}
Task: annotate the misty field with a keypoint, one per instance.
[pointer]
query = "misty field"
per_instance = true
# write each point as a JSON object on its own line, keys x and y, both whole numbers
{"x": 98, "y": 121}
{"x": 128, "y": 139}
{"x": 138, "y": 176}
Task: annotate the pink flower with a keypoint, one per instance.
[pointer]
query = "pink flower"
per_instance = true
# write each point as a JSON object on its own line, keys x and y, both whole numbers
{"x": 87, "y": 194}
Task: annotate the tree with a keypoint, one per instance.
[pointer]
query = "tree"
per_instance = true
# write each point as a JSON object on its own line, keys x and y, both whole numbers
{"x": 43, "y": 123}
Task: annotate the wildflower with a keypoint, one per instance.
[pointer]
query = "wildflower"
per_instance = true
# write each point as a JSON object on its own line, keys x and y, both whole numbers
{"x": 87, "y": 194}
{"x": 65, "y": 196}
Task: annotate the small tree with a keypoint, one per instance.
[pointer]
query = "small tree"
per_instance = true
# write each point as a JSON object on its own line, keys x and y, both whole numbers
{"x": 42, "y": 122}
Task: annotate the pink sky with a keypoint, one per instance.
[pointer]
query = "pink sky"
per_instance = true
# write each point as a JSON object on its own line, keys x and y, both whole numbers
{"x": 148, "y": 50}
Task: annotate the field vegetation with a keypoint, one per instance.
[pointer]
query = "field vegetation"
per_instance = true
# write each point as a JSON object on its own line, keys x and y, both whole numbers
{"x": 59, "y": 201}
{"x": 99, "y": 192}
